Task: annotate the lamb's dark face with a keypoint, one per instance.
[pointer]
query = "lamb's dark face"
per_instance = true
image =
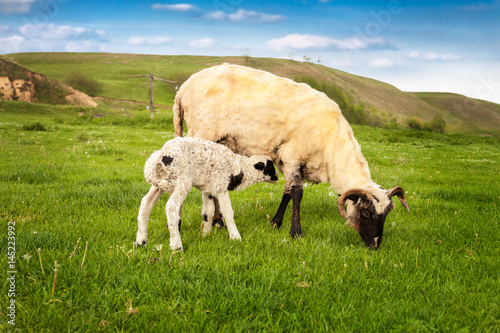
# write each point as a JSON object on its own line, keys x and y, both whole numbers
{"x": 268, "y": 170}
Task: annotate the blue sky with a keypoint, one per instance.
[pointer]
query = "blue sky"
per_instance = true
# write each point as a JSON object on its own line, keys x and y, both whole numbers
{"x": 451, "y": 46}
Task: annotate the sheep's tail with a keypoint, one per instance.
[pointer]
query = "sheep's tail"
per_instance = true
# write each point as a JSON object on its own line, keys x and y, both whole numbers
{"x": 178, "y": 118}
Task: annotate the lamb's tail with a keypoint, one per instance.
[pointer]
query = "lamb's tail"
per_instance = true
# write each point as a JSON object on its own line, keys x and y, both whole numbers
{"x": 155, "y": 172}
{"x": 178, "y": 118}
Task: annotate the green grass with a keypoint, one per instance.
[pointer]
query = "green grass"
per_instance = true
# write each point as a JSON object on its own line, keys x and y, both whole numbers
{"x": 80, "y": 180}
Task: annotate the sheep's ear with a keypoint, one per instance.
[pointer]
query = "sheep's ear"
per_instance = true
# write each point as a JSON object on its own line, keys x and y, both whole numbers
{"x": 259, "y": 166}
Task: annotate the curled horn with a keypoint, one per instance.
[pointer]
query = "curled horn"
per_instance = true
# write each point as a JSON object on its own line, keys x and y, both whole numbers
{"x": 352, "y": 194}
{"x": 401, "y": 195}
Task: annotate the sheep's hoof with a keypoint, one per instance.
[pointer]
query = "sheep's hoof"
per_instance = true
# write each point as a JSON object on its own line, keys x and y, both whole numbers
{"x": 276, "y": 224}
{"x": 218, "y": 223}
{"x": 296, "y": 234}
{"x": 143, "y": 243}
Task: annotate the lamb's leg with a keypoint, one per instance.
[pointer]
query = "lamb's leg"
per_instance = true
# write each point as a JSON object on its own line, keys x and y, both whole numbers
{"x": 208, "y": 213}
{"x": 227, "y": 210}
{"x": 172, "y": 208}
{"x": 147, "y": 204}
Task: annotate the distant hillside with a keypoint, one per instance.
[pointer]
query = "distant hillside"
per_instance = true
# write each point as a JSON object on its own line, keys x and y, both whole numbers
{"x": 372, "y": 99}
{"x": 467, "y": 115}
{"x": 17, "y": 83}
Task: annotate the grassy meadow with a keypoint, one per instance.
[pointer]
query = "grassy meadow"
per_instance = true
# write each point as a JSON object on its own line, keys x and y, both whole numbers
{"x": 72, "y": 184}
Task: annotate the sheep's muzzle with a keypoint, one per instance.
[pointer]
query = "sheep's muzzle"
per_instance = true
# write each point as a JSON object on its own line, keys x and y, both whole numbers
{"x": 365, "y": 219}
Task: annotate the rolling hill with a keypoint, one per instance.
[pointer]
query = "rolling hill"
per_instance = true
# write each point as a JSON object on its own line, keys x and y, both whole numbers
{"x": 376, "y": 99}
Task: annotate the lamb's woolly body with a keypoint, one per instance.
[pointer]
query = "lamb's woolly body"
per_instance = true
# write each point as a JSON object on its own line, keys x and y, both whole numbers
{"x": 209, "y": 166}
{"x": 301, "y": 129}
{"x": 212, "y": 168}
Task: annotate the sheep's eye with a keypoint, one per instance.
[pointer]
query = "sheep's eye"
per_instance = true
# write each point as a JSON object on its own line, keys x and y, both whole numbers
{"x": 366, "y": 214}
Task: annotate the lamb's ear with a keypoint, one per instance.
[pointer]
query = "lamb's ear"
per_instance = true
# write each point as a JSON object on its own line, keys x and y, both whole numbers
{"x": 259, "y": 166}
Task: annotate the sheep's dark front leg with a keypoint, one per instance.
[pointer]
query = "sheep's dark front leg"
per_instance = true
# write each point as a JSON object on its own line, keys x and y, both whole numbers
{"x": 293, "y": 191}
{"x": 217, "y": 221}
{"x": 278, "y": 217}
{"x": 296, "y": 194}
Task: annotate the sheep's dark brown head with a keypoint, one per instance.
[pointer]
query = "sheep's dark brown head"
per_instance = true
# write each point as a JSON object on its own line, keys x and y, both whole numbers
{"x": 369, "y": 210}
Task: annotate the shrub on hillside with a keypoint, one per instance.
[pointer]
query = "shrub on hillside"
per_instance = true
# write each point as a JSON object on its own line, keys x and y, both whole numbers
{"x": 438, "y": 124}
{"x": 415, "y": 123}
{"x": 83, "y": 83}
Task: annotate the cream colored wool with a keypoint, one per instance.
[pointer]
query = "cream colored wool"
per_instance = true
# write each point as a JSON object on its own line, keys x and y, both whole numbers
{"x": 298, "y": 127}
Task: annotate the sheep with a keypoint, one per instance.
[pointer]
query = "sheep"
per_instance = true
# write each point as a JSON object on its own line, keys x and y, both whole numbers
{"x": 212, "y": 168}
{"x": 255, "y": 112}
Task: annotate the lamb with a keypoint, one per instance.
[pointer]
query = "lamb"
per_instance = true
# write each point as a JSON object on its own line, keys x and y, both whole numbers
{"x": 212, "y": 168}
{"x": 302, "y": 130}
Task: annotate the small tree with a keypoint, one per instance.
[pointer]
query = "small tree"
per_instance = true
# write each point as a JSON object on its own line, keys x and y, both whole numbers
{"x": 246, "y": 54}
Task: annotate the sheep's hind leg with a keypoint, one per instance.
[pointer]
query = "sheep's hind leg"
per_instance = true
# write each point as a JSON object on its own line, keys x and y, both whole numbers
{"x": 176, "y": 200}
{"x": 147, "y": 204}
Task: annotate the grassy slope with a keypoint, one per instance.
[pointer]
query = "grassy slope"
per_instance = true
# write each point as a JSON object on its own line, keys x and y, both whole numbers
{"x": 470, "y": 116}
{"x": 111, "y": 69}
{"x": 437, "y": 269}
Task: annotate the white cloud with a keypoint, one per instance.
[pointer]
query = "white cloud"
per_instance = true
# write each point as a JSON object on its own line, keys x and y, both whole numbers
{"x": 11, "y": 44}
{"x": 148, "y": 40}
{"x": 218, "y": 15}
{"x": 381, "y": 62}
{"x": 83, "y": 46}
{"x": 242, "y": 15}
{"x": 4, "y": 29}
{"x": 201, "y": 43}
{"x": 16, "y": 6}
{"x": 180, "y": 7}
{"x": 64, "y": 32}
{"x": 433, "y": 56}
{"x": 306, "y": 41}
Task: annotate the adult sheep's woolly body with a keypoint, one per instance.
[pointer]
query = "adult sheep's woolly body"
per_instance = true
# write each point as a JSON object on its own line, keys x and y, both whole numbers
{"x": 301, "y": 129}
{"x": 309, "y": 133}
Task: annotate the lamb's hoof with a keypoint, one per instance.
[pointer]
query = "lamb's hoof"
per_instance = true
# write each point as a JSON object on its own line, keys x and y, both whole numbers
{"x": 141, "y": 241}
{"x": 179, "y": 249}
{"x": 235, "y": 237}
{"x": 218, "y": 223}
